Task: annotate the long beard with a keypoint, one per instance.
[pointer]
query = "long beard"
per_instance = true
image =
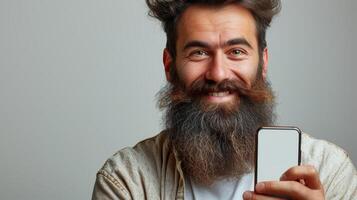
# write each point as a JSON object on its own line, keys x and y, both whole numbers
{"x": 215, "y": 141}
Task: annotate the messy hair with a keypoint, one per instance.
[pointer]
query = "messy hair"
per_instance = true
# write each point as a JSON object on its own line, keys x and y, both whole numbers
{"x": 170, "y": 11}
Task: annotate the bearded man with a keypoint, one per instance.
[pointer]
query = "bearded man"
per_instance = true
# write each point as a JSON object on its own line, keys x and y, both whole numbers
{"x": 217, "y": 96}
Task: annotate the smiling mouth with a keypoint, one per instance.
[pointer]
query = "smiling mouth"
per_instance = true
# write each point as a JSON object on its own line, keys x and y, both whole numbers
{"x": 219, "y": 94}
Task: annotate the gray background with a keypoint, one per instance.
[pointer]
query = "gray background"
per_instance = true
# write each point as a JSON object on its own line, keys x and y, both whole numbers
{"x": 78, "y": 80}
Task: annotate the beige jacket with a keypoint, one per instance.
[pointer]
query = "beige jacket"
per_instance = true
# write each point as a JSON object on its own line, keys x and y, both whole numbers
{"x": 151, "y": 171}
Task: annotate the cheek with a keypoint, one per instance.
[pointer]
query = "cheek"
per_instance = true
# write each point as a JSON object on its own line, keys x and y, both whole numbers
{"x": 246, "y": 71}
{"x": 189, "y": 72}
{"x": 249, "y": 72}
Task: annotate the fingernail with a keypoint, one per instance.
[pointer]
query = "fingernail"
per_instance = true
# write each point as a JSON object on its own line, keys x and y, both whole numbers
{"x": 260, "y": 187}
{"x": 247, "y": 195}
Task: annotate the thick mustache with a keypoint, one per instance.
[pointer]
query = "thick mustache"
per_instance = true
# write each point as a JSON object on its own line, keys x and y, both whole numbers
{"x": 203, "y": 87}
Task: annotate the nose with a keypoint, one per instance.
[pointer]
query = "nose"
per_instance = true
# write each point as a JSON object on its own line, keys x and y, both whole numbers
{"x": 217, "y": 71}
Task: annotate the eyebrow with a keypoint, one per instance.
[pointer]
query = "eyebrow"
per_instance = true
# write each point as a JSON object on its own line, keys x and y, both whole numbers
{"x": 235, "y": 41}
{"x": 196, "y": 43}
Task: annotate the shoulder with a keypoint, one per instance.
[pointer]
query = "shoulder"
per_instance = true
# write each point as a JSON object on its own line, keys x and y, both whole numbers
{"x": 321, "y": 151}
{"x": 137, "y": 170}
{"x": 145, "y": 155}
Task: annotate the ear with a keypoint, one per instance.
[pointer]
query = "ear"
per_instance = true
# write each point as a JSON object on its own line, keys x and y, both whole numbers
{"x": 167, "y": 60}
{"x": 265, "y": 64}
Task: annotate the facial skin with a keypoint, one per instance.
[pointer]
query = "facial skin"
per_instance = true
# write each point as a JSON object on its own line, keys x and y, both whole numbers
{"x": 221, "y": 46}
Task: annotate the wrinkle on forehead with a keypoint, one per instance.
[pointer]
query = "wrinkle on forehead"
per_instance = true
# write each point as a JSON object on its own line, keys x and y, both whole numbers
{"x": 216, "y": 25}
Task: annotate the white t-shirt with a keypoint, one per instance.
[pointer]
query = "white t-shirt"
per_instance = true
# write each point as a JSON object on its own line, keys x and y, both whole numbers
{"x": 223, "y": 189}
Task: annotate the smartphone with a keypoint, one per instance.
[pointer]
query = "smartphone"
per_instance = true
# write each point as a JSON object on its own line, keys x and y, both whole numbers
{"x": 276, "y": 150}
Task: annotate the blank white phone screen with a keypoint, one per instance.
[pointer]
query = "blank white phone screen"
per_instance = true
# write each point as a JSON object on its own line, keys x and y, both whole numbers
{"x": 278, "y": 150}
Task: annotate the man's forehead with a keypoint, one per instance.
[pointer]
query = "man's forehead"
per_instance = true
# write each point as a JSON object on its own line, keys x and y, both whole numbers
{"x": 199, "y": 12}
{"x": 216, "y": 24}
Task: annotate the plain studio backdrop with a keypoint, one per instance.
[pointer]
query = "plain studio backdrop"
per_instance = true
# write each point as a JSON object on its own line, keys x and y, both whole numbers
{"x": 78, "y": 80}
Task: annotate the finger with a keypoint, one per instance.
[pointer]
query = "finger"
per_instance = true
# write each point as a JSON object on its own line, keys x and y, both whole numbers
{"x": 308, "y": 173}
{"x": 291, "y": 189}
{"x": 248, "y": 195}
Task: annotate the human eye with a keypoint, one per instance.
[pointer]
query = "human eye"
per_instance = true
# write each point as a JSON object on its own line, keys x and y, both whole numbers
{"x": 198, "y": 54}
{"x": 236, "y": 53}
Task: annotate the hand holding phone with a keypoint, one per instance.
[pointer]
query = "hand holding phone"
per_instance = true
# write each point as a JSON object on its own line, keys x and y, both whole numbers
{"x": 278, "y": 153}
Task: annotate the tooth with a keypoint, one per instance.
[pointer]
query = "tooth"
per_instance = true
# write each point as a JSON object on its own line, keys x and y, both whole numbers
{"x": 218, "y": 94}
